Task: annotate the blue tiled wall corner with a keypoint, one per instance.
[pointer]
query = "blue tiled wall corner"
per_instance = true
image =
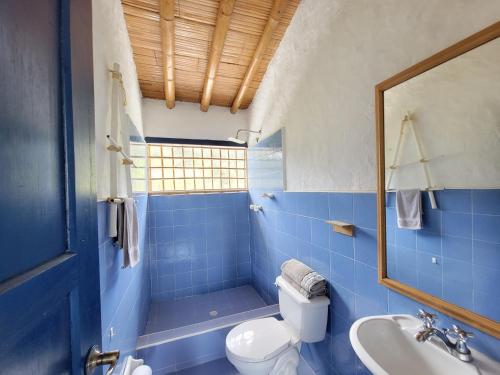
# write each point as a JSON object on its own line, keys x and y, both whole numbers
{"x": 125, "y": 292}
{"x": 199, "y": 243}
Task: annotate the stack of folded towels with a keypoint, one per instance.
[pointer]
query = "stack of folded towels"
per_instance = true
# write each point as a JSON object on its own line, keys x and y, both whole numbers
{"x": 308, "y": 282}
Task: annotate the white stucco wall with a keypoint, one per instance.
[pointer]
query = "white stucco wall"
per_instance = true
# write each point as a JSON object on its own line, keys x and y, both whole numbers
{"x": 320, "y": 84}
{"x": 456, "y": 114}
{"x": 187, "y": 121}
{"x": 111, "y": 45}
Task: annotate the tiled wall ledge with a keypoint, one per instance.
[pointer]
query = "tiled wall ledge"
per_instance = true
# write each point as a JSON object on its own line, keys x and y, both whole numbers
{"x": 171, "y": 335}
{"x": 184, "y": 353}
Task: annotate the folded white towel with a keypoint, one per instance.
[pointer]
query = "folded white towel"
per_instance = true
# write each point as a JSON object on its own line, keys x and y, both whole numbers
{"x": 131, "y": 255}
{"x": 112, "y": 219}
{"x": 409, "y": 209}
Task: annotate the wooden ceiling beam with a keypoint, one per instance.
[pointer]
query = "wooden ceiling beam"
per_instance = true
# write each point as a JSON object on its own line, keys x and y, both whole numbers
{"x": 218, "y": 39}
{"x": 167, "y": 26}
{"x": 273, "y": 21}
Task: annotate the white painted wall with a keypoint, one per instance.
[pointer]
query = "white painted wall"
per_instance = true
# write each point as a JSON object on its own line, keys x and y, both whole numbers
{"x": 320, "y": 84}
{"x": 456, "y": 115}
{"x": 187, "y": 121}
{"x": 111, "y": 44}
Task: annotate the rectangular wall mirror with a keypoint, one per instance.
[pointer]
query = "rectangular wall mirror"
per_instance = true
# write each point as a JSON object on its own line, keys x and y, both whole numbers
{"x": 438, "y": 157}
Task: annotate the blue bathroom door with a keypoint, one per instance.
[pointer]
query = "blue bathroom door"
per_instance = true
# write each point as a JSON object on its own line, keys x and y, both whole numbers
{"x": 49, "y": 280}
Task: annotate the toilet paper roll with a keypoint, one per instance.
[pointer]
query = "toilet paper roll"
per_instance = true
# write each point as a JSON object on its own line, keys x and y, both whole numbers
{"x": 142, "y": 370}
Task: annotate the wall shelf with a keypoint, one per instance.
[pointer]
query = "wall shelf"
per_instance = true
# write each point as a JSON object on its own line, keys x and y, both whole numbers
{"x": 341, "y": 227}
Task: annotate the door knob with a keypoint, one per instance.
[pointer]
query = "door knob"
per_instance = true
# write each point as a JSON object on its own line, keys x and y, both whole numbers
{"x": 97, "y": 358}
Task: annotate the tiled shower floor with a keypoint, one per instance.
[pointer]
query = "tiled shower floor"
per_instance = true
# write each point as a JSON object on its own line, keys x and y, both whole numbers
{"x": 168, "y": 314}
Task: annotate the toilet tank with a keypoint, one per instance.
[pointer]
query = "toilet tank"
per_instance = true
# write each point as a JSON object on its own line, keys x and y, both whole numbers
{"x": 308, "y": 317}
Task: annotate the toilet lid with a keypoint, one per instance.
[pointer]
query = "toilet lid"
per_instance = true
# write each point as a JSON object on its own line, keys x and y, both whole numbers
{"x": 258, "y": 340}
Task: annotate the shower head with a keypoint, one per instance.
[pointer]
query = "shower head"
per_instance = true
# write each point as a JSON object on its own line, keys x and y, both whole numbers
{"x": 238, "y": 140}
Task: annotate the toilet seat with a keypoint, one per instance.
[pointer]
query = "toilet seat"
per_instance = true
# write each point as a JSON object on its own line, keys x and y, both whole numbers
{"x": 259, "y": 340}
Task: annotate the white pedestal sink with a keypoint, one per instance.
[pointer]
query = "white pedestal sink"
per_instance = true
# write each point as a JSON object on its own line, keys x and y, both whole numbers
{"x": 386, "y": 346}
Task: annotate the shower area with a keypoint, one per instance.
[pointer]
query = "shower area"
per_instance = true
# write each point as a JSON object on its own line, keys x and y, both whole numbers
{"x": 201, "y": 278}
{"x": 207, "y": 265}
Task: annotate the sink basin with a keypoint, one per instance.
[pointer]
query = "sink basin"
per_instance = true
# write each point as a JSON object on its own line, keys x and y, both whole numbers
{"x": 386, "y": 346}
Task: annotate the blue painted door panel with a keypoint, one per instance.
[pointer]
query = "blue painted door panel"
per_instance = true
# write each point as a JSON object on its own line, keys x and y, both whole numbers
{"x": 49, "y": 281}
{"x": 32, "y": 136}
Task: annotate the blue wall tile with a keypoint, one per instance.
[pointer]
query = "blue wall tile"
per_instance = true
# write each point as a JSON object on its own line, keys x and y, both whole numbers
{"x": 406, "y": 238}
{"x": 454, "y": 200}
{"x": 164, "y": 235}
{"x": 431, "y": 220}
{"x": 304, "y": 251}
{"x": 365, "y": 210}
{"x": 487, "y": 304}
{"x": 125, "y": 292}
{"x": 166, "y": 283}
{"x": 163, "y": 219}
{"x": 159, "y": 203}
{"x": 342, "y": 271}
{"x": 486, "y": 201}
{"x": 429, "y": 242}
{"x": 486, "y": 228}
{"x": 487, "y": 254}
{"x": 390, "y": 218}
{"x": 457, "y": 282}
{"x": 457, "y": 224}
{"x": 341, "y": 207}
{"x": 486, "y": 278}
{"x": 342, "y": 301}
{"x": 457, "y": 248}
{"x": 366, "y": 306}
{"x": 366, "y": 284}
{"x": 430, "y": 275}
{"x": 343, "y": 356}
{"x": 287, "y": 223}
{"x": 303, "y": 228}
{"x": 320, "y": 233}
{"x": 201, "y": 239}
{"x": 405, "y": 266}
{"x": 365, "y": 245}
{"x": 320, "y": 260}
{"x": 342, "y": 244}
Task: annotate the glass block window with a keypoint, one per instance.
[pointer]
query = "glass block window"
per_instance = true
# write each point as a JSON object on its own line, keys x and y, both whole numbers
{"x": 177, "y": 168}
{"x": 138, "y": 172}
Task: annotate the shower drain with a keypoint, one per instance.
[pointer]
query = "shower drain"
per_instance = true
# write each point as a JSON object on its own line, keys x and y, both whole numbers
{"x": 213, "y": 313}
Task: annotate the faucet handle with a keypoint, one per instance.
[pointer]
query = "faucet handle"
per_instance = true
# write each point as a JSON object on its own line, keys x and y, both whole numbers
{"x": 427, "y": 318}
{"x": 461, "y": 336}
{"x": 458, "y": 333}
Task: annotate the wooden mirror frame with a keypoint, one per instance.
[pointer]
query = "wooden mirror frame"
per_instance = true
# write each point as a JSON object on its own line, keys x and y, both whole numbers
{"x": 473, "y": 319}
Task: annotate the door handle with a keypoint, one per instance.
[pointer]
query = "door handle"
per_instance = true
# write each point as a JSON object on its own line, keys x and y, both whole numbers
{"x": 97, "y": 358}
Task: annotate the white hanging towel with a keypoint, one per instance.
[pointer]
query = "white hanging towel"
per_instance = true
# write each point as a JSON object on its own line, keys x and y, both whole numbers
{"x": 112, "y": 219}
{"x": 409, "y": 209}
{"x": 131, "y": 254}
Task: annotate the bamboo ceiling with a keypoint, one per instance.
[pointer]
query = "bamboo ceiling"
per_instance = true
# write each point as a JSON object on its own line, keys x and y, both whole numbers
{"x": 249, "y": 21}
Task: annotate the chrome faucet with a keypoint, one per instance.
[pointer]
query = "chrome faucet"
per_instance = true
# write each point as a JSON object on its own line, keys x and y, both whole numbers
{"x": 458, "y": 349}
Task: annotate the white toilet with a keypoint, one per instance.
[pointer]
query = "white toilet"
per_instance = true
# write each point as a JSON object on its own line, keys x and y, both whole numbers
{"x": 270, "y": 346}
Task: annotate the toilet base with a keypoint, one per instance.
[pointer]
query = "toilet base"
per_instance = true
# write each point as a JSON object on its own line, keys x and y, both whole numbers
{"x": 285, "y": 363}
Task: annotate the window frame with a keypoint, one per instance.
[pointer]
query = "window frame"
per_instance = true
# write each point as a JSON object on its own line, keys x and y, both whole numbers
{"x": 183, "y": 146}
